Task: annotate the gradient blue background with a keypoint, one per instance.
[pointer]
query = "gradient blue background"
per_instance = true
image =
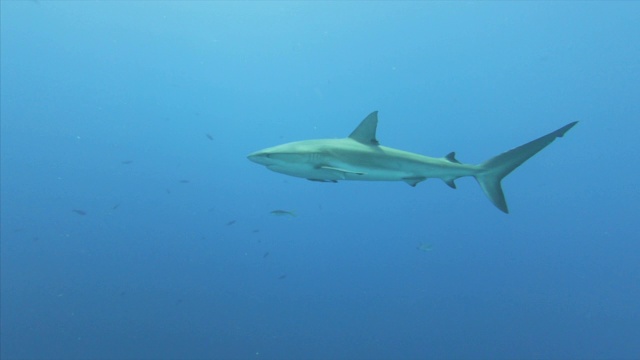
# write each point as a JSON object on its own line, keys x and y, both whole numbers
{"x": 88, "y": 85}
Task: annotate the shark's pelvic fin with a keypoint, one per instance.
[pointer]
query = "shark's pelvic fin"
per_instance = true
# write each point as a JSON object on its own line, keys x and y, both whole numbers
{"x": 413, "y": 181}
{"x": 492, "y": 171}
{"x": 366, "y": 132}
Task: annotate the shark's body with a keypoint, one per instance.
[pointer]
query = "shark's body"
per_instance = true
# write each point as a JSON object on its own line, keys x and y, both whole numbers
{"x": 360, "y": 157}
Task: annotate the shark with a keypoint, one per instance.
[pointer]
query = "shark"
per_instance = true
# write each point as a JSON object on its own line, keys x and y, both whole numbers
{"x": 361, "y": 157}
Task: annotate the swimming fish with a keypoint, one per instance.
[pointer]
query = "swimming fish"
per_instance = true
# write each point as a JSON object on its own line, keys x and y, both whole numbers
{"x": 361, "y": 157}
{"x": 425, "y": 247}
{"x": 283, "y": 213}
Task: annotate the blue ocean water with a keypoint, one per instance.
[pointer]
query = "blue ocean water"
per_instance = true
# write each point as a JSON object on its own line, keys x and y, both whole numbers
{"x": 134, "y": 227}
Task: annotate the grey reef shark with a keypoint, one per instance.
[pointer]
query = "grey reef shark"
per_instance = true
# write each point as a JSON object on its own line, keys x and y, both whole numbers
{"x": 361, "y": 157}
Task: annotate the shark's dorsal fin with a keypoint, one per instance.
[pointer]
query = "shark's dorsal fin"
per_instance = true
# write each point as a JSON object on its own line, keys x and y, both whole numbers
{"x": 452, "y": 157}
{"x": 365, "y": 133}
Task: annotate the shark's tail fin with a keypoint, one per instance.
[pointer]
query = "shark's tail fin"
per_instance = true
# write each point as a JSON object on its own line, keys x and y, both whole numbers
{"x": 491, "y": 172}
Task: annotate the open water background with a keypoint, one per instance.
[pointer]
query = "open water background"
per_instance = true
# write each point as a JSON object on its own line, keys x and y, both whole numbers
{"x": 139, "y": 115}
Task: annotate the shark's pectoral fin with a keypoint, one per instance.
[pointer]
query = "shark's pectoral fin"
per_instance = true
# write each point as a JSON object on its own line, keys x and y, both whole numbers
{"x": 341, "y": 171}
{"x": 323, "y": 180}
{"x": 413, "y": 181}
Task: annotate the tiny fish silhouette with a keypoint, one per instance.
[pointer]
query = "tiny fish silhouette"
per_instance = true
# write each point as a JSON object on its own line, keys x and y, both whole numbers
{"x": 231, "y": 222}
{"x": 126, "y": 162}
{"x": 425, "y": 247}
{"x": 281, "y": 277}
{"x": 79, "y": 212}
{"x": 283, "y": 213}
{"x": 184, "y": 181}
{"x": 209, "y": 137}
{"x": 265, "y": 255}
{"x": 115, "y": 206}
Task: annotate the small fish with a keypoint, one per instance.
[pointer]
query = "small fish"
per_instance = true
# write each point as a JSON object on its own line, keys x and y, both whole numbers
{"x": 231, "y": 222}
{"x": 168, "y": 191}
{"x": 283, "y": 276}
{"x": 255, "y": 231}
{"x": 265, "y": 255}
{"x": 209, "y": 136}
{"x": 115, "y": 206}
{"x": 126, "y": 162}
{"x": 79, "y": 212}
{"x": 425, "y": 247}
{"x": 283, "y": 213}
{"x": 184, "y": 181}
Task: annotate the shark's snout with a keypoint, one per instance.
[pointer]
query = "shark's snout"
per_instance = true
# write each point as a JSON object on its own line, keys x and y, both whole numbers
{"x": 253, "y": 157}
{"x": 259, "y": 157}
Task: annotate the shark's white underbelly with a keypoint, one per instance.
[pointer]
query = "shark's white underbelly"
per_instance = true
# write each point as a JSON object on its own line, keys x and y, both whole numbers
{"x": 402, "y": 170}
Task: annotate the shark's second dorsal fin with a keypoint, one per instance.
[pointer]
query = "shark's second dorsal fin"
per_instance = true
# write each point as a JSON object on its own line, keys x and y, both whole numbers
{"x": 366, "y": 132}
{"x": 452, "y": 157}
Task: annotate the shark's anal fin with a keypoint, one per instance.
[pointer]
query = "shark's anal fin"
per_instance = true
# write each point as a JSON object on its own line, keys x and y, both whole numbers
{"x": 450, "y": 183}
{"x": 322, "y": 180}
{"x": 365, "y": 133}
{"x": 343, "y": 171}
{"x": 413, "y": 181}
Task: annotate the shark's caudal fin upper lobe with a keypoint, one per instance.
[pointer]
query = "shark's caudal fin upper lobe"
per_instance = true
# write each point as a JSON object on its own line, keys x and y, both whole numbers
{"x": 492, "y": 171}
